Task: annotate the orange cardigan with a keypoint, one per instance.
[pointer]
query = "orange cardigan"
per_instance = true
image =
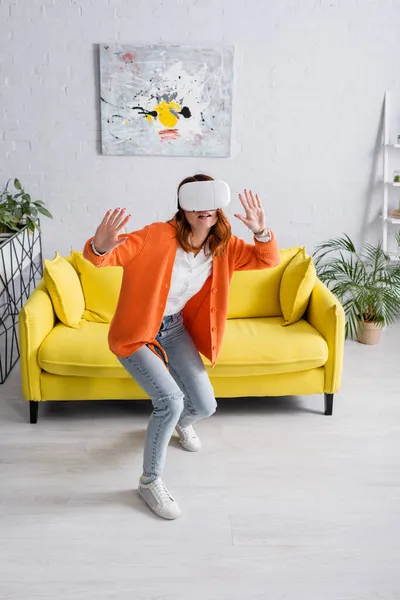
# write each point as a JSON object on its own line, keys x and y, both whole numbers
{"x": 148, "y": 258}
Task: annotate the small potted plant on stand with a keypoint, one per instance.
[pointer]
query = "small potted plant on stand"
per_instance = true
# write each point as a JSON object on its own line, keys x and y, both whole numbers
{"x": 20, "y": 264}
{"x": 18, "y": 210}
{"x": 367, "y": 283}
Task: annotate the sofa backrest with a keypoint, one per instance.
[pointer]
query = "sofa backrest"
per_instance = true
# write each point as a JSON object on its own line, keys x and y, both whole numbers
{"x": 256, "y": 293}
{"x": 252, "y": 293}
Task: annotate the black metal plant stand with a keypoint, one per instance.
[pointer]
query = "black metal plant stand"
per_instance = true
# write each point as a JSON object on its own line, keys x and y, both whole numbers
{"x": 21, "y": 268}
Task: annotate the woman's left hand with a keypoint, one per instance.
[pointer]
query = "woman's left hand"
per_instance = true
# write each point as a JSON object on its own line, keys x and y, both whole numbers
{"x": 255, "y": 217}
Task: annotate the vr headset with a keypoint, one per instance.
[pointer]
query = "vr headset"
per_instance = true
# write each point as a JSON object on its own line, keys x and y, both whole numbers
{"x": 204, "y": 195}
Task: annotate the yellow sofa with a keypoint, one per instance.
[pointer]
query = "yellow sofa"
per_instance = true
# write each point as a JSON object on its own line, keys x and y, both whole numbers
{"x": 260, "y": 356}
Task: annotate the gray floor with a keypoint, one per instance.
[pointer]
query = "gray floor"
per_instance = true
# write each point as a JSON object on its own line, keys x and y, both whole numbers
{"x": 282, "y": 503}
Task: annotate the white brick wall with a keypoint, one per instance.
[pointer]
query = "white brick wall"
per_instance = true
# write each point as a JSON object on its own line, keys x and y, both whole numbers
{"x": 309, "y": 82}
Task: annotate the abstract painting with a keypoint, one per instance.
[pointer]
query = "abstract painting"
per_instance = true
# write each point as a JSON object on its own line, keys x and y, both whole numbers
{"x": 166, "y": 100}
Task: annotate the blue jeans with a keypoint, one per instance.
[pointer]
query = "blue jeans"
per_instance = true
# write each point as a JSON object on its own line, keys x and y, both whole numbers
{"x": 183, "y": 394}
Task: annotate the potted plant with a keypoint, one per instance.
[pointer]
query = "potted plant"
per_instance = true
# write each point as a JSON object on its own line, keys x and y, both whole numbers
{"x": 21, "y": 264}
{"x": 367, "y": 283}
{"x": 18, "y": 210}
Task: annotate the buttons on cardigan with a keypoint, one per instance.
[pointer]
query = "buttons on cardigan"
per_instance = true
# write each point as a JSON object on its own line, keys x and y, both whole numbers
{"x": 214, "y": 310}
{"x": 214, "y": 347}
{"x": 214, "y": 329}
{"x": 214, "y": 290}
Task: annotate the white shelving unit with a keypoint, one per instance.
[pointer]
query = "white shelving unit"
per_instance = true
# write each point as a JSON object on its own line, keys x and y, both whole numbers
{"x": 387, "y": 181}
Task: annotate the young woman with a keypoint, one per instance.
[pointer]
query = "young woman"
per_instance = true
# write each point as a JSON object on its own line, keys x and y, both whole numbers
{"x": 172, "y": 306}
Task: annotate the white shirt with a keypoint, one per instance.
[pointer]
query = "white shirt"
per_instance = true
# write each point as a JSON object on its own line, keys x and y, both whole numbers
{"x": 189, "y": 274}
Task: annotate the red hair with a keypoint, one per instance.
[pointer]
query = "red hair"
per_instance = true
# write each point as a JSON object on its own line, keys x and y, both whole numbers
{"x": 220, "y": 233}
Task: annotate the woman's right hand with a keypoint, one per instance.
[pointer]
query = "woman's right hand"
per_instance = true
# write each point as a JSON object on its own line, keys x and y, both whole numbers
{"x": 107, "y": 236}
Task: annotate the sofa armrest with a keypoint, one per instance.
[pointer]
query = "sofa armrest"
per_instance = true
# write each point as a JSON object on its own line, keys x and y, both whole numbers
{"x": 36, "y": 320}
{"x": 326, "y": 315}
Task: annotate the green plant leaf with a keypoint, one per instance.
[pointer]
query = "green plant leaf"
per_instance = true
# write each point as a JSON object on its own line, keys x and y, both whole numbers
{"x": 344, "y": 243}
{"x": 31, "y": 225}
{"x": 45, "y": 212}
{"x": 17, "y": 184}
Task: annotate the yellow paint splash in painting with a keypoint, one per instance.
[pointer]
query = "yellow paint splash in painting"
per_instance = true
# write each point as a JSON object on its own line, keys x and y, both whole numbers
{"x": 167, "y": 118}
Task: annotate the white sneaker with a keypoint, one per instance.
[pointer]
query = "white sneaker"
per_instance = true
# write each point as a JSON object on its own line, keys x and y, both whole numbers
{"x": 188, "y": 438}
{"x": 158, "y": 498}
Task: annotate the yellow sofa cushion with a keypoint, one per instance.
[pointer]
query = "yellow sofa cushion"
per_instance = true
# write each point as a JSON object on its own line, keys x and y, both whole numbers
{"x": 297, "y": 283}
{"x": 251, "y": 347}
{"x": 101, "y": 289}
{"x": 256, "y": 293}
{"x": 263, "y": 347}
{"x": 83, "y": 352}
{"x": 65, "y": 290}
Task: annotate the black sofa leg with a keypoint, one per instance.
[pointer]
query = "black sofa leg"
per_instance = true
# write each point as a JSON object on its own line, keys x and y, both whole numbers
{"x": 328, "y": 404}
{"x": 33, "y": 411}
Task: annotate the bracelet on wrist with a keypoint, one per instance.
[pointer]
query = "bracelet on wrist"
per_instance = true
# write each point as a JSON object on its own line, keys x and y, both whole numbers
{"x": 261, "y": 233}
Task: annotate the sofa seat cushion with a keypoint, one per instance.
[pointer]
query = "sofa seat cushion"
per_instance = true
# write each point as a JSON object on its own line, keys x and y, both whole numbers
{"x": 85, "y": 354}
{"x": 258, "y": 346}
{"x": 263, "y": 347}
